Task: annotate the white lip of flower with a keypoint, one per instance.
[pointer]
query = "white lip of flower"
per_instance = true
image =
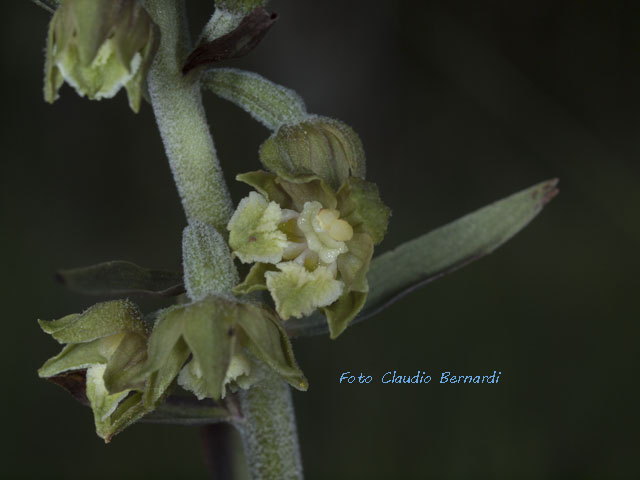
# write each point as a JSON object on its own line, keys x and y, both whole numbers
{"x": 106, "y": 57}
{"x": 304, "y": 246}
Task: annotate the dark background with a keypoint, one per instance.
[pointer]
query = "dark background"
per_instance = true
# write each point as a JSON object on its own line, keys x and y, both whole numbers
{"x": 458, "y": 104}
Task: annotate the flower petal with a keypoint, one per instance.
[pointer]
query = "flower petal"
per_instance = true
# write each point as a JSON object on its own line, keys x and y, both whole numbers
{"x": 298, "y": 292}
{"x": 253, "y": 230}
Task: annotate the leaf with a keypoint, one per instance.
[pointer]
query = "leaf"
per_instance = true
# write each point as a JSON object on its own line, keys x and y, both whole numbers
{"x": 119, "y": 277}
{"x": 415, "y": 263}
{"x": 187, "y": 410}
{"x": 268, "y": 103}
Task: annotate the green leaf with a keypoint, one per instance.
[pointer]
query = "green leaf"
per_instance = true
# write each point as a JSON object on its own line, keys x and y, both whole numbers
{"x": 424, "y": 259}
{"x": 121, "y": 278}
{"x": 268, "y": 103}
{"x": 100, "y": 320}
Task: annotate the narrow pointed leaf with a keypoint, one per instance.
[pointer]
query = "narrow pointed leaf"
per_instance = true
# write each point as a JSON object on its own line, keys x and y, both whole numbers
{"x": 119, "y": 278}
{"x": 188, "y": 410}
{"x": 415, "y": 263}
{"x": 268, "y": 103}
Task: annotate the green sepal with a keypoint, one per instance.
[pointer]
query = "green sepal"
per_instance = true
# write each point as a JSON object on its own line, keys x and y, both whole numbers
{"x": 343, "y": 311}
{"x": 269, "y": 342}
{"x": 209, "y": 333}
{"x": 159, "y": 382}
{"x": 359, "y": 204}
{"x": 312, "y": 189}
{"x": 354, "y": 264}
{"x": 89, "y": 23}
{"x": 290, "y": 194}
{"x": 166, "y": 333}
{"x": 316, "y": 148}
{"x": 112, "y": 413}
{"x": 213, "y": 330}
{"x": 99, "y": 46}
{"x": 255, "y": 280}
{"x": 77, "y": 356}
{"x": 100, "y": 320}
{"x": 126, "y": 363}
{"x": 265, "y": 183}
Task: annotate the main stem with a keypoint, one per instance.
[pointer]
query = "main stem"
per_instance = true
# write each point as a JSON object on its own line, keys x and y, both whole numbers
{"x": 177, "y": 104}
{"x": 268, "y": 430}
{"x": 268, "y": 425}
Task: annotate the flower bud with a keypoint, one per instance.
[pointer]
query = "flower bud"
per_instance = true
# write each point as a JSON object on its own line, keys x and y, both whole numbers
{"x": 99, "y": 46}
{"x": 316, "y": 148}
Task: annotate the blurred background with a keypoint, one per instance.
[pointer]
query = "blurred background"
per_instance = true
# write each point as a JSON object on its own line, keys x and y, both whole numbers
{"x": 458, "y": 104}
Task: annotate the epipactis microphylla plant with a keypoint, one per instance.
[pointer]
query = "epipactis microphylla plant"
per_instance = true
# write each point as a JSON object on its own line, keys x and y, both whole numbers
{"x": 308, "y": 229}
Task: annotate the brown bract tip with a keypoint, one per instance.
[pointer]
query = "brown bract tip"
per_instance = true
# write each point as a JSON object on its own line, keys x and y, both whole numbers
{"x": 237, "y": 43}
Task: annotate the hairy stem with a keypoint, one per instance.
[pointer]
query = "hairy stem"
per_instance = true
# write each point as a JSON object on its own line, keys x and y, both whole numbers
{"x": 177, "y": 105}
{"x": 267, "y": 424}
{"x": 268, "y": 430}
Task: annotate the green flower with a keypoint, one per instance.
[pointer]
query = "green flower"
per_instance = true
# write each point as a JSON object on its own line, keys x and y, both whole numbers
{"x": 98, "y": 47}
{"x": 222, "y": 337}
{"x": 109, "y": 343}
{"x": 311, "y": 226}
